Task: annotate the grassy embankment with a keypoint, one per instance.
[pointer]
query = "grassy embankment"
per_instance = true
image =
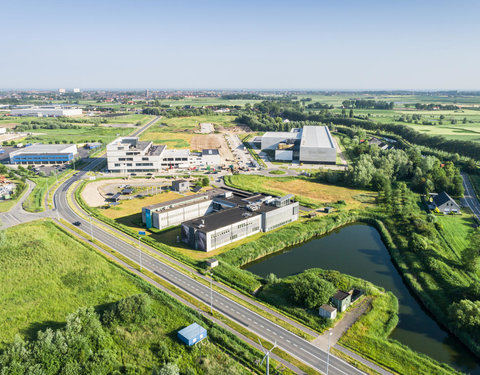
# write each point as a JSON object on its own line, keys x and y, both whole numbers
{"x": 49, "y": 274}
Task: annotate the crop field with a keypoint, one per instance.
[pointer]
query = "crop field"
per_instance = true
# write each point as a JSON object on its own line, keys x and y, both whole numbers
{"x": 129, "y": 119}
{"x": 306, "y": 191}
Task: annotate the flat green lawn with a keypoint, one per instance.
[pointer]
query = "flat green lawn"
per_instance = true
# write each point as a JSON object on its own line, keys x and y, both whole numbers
{"x": 86, "y": 133}
{"x": 35, "y": 201}
{"x": 45, "y": 275}
{"x": 129, "y": 119}
{"x": 456, "y": 229}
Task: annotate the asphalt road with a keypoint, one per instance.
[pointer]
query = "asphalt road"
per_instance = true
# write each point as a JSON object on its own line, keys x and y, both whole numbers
{"x": 287, "y": 341}
{"x": 470, "y": 200}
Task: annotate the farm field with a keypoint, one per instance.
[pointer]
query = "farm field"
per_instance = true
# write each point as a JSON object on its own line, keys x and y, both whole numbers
{"x": 304, "y": 190}
{"x": 49, "y": 275}
{"x": 456, "y": 230}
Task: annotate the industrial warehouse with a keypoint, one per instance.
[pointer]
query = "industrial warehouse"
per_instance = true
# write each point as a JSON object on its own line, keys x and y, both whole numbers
{"x": 310, "y": 144}
{"x": 44, "y": 154}
{"x": 129, "y": 155}
{"x": 46, "y": 111}
{"x": 218, "y": 217}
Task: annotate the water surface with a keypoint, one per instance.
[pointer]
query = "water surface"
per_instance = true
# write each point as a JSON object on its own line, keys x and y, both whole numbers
{"x": 358, "y": 250}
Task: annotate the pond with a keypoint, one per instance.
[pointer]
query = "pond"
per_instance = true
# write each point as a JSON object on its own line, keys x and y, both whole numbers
{"x": 358, "y": 250}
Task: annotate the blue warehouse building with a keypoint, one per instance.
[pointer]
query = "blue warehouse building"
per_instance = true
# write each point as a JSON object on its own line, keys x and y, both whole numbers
{"x": 44, "y": 154}
{"x": 192, "y": 334}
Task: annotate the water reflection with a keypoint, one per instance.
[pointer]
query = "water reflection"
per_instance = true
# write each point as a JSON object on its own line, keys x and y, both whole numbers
{"x": 358, "y": 250}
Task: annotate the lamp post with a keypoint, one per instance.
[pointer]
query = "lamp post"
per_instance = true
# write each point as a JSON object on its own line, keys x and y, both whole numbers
{"x": 328, "y": 352}
{"x": 91, "y": 226}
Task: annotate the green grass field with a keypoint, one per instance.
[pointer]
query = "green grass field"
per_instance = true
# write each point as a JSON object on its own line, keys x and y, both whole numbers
{"x": 46, "y": 275}
{"x": 456, "y": 230}
{"x": 86, "y": 133}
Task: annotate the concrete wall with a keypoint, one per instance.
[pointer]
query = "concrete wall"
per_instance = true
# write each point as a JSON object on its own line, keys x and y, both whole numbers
{"x": 318, "y": 155}
{"x": 279, "y": 217}
{"x": 233, "y": 232}
{"x": 165, "y": 219}
{"x": 285, "y": 155}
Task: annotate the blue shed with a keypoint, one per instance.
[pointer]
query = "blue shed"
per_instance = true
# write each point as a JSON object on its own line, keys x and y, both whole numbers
{"x": 192, "y": 334}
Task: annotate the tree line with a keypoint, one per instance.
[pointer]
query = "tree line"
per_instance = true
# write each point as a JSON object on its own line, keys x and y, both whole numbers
{"x": 367, "y": 104}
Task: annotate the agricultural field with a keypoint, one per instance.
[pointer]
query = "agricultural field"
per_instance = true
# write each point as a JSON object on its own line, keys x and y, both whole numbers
{"x": 49, "y": 275}
{"x": 128, "y": 119}
{"x": 304, "y": 190}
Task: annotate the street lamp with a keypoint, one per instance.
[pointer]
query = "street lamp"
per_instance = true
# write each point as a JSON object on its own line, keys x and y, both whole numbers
{"x": 328, "y": 352}
{"x": 140, "y": 233}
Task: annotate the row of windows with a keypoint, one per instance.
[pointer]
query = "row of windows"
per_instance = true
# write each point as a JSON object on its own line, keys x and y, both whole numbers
{"x": 280, "y": 224}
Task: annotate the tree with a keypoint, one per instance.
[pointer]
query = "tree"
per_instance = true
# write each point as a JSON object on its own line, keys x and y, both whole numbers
{"x": 350, "y": 114}
{"x": 465, "y": 314}
{"x": 205, "y": 181}
{"x": 311, "y": 291}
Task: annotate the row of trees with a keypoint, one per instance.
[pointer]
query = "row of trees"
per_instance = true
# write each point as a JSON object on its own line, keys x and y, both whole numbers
{"x": 367, "y": 104}
{"x": 431, "y": 106}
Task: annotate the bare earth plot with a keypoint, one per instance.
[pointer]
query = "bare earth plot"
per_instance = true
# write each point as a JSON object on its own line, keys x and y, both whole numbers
{"x": 214, "y": 141}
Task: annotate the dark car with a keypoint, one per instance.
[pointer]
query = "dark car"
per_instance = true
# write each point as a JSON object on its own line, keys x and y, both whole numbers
{"x": 77, "y": 223}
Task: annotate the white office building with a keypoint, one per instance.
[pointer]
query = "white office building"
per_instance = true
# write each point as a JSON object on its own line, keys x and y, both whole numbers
{"x": 129, "y": 154}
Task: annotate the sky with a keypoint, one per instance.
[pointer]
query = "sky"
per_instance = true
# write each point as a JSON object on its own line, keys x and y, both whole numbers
{"x": 249, "y": 44}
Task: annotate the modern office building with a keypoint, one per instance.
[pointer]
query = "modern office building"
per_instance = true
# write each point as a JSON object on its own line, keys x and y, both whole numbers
{"x": 218, "y": 217}
{"x": 310, "y": 144}
{"x": 129, "y": 154}
{"x": 44, "y": 154}
{"x": 46, "y": 111}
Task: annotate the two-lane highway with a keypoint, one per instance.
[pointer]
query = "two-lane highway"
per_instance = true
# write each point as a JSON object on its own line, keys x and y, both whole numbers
{"x": 286, "y": 340}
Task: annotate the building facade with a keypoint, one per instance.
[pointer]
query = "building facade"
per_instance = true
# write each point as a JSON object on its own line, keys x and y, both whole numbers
{"x": 44, "y": 154}
{"x": 47, "y": 111}
{"x": 129, "y": 154}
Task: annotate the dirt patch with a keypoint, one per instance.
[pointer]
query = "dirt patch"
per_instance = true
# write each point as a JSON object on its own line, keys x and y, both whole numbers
{"x": 10, "y": 125}
{"x": 318, "y": 192}
{"x": 94, "y": 193}
{"x": 215, "y": 141}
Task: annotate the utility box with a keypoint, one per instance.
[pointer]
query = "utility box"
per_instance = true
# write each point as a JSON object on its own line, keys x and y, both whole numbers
{"x": 192, "y": 334}
{"x": 180, "y": 186}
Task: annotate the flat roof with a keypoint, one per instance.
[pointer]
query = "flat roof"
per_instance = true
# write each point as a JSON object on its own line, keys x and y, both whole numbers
{"x": 340, "y": 295}
{"x": 42, "y": 149}
{"x": 290, "y": 135}
{"x": 192, "y": 331}
{"x": 176, "y": 153}
{"x": 221, "y": 219}
{"x": 316, "y": 136}
{"x": 210, "y": 151}
{"x": 190, "y": 199}
{"x": 328, "y": 308}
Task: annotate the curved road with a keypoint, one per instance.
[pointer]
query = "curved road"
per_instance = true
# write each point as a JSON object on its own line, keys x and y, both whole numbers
{"x": 286, "y": 340}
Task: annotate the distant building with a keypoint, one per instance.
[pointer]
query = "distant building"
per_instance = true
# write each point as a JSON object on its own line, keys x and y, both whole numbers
{"x": 192, "y": 334}
{"x": 62, "y": 91}
{"x": 44, "y": 154}
{"x": 310, "y": 144}
{"x": 47, "y": 111}
{"x": 341, "y": 300}
{"x": 445, "y": 204}
{"x": 180, "y": 186}
{"x": 327, "y": 311}
{"x": 76, "y": 90}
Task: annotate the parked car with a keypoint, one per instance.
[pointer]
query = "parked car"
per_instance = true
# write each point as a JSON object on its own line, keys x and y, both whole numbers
{"x": 77, "y": 223}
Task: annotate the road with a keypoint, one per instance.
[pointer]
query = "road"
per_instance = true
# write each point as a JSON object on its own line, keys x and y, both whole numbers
{"x": 470, "y": 199}
{"x": 286, "y": 340}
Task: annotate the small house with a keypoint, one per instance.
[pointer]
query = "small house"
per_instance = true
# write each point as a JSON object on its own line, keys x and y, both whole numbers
{"x": 212, "y": 262}
{"x": 341, "y": 300}
{"x": 445, "y": 204}
{"x": 180, "y": 185}
{"x": 328, "y": 210}
{"x": 192, "y": 334}
{"x": 327, "y": 311}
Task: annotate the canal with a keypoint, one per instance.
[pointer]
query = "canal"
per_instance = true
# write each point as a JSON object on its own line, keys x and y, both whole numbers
{"x": 358, "y": 250}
